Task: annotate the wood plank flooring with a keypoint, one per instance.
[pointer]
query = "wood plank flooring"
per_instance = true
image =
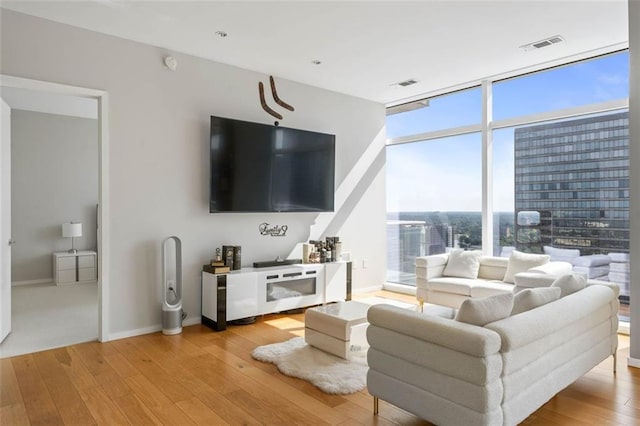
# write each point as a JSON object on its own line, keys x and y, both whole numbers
{"x": 201, "y": 377}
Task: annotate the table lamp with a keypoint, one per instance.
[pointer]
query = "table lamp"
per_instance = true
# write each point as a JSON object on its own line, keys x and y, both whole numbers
{"x": 72, "y": 230}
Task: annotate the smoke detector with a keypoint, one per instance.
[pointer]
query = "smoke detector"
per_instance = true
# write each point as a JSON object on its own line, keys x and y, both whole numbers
{"x": 170, "y": 62}
{"x": 542, "y": 43}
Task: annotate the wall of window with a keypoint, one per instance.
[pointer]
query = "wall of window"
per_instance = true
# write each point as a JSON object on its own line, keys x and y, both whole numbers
{"x": 434, "y": 200}
{"x": 448, "y": 111}
{"x": 557, "y": 147}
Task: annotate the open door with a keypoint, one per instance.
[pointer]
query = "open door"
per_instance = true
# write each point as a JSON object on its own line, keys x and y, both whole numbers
{"x": 5, "y": 220}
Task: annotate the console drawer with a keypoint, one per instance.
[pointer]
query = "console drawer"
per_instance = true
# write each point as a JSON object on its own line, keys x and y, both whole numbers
{"x": 87, "y": 261}
{"x": 87, "y": 274}
{"x": 67, "y": 263}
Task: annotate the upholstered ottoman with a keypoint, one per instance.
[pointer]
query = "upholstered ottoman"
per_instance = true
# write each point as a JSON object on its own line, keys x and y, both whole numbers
{"x": 338, "y": 328}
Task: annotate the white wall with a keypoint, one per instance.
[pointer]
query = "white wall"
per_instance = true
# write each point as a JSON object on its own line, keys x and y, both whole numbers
{"x": 634, "y": 154}
{"x": 158, "y": 149}
{"x": 54, "y": 179}
{"x": 5, "y": 219}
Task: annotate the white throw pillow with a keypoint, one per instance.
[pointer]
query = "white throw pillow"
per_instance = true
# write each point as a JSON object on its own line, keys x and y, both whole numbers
{"x": 484, "y": 310}
{"x": 570, "y": 283}
{"x": 531, "y": 298}
{"x": 521, "y": 262}
{"x": 463, "y": 264}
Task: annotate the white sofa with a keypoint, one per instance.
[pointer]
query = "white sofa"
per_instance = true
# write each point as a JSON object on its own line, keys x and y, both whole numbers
{"x": 432, "y": 286}
{"x": 454, "y": 373}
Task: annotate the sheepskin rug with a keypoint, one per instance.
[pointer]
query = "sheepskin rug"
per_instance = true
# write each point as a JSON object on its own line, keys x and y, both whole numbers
{"x": 329, "y": 373}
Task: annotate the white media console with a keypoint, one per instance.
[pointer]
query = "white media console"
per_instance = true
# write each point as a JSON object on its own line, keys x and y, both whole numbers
{"x": 250, "y": 292}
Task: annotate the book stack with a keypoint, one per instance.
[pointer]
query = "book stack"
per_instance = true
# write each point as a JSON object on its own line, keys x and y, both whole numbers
{"x": 216, "y": 267}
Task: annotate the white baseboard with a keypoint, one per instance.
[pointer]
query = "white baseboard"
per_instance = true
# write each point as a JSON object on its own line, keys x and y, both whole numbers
{"x": 633, "y": 362}
{"x": 31, "y": 282}
{"x": 148, "y": 330}
{"x": 132, "y": 333}
{"x": 191, "y": 321}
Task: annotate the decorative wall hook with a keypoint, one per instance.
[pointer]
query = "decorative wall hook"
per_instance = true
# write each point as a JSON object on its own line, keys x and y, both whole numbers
{"x": 279, "y": 101}
{"x": 263, "y": 102}
{"x": 276, "y": 98}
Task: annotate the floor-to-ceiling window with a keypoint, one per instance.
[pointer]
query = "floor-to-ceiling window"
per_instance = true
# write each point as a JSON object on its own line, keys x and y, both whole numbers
{"x": 559, "y": 157}
{"x": 434, "y": 191}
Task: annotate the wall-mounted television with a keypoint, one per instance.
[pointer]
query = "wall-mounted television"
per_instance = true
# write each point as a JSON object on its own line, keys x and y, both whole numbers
{"x": 266, "y": 168}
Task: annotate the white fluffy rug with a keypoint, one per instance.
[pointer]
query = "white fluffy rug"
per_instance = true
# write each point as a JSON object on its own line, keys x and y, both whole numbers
{"x": 328, "y": 372}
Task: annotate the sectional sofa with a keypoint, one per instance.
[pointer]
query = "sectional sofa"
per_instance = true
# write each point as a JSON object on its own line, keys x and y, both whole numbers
{"x": 452, "y": 372}
{"x": 449, "y": 279}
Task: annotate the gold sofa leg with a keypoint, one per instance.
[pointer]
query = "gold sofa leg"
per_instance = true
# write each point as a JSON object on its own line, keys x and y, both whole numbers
{"x": 421, "y": 302}
{"x": 375, "y": 405}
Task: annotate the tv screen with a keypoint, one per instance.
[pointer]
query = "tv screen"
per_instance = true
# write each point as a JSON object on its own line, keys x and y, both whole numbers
{"x": 265, "y": 168}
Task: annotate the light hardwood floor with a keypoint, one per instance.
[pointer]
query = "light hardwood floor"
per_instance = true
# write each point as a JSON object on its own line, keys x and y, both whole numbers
{"x": 204, "y": 377}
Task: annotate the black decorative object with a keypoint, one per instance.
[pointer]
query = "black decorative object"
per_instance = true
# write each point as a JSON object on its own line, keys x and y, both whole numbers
{"x": 274, "y": 93}
{"x": 237, "y": 258}
{"x": 267, "y": 229}
{"x": 227, "y": 256}
{"x": 277, "y": 262}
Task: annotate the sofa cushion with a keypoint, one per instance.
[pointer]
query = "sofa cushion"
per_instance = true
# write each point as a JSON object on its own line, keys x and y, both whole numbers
{"x": 592, "y": 260}
{"x": 570, "y": 283}
{"x": 492, "y": 268}
{"x": 463, "y": 264}
{"x": 556, "y": 268}
{"x": 489, "y": 288}
{"x": 535, "y": 279}
{"x": 520, "y": 262}
{"x": 452, "y": 285}
{"x": 486, "y": 309}
{"x": 592, "y": 272}
{"x": 531, "y": 298}
{"x": 561, "y": 254}
{"x": 619, "y": 257}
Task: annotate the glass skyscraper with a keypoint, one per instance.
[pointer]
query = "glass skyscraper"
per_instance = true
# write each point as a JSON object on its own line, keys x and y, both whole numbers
{"x": 575, "y": 173}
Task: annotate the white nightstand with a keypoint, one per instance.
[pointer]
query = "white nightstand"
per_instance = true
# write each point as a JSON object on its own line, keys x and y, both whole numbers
{"x": 72, "y": 268}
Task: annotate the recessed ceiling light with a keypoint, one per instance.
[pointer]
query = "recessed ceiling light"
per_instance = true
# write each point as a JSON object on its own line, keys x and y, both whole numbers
{"x": 316, "y": 62}
{"x": 221, "y": 34}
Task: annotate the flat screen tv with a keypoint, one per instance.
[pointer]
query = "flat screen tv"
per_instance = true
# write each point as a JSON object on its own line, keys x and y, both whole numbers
{"x": 265, "y": 168}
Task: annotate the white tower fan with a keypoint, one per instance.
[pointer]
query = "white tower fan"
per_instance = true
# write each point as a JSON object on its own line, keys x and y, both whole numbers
{"x": 172, "y": 279}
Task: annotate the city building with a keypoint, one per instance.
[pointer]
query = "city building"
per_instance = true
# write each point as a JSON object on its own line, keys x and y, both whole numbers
{"x": 572, "y": 190}
{"x": 575, "y": 174}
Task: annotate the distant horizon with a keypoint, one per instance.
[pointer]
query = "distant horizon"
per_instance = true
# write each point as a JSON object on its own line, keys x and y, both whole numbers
{"x": 447, "y": 211}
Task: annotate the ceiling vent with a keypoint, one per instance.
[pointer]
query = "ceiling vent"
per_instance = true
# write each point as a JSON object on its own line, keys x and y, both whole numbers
{"x": 542, "y": 43}
{"x": 405, "y": 83}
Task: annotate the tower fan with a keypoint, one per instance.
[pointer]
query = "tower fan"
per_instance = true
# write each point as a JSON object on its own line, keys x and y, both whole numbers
{"x": 172, "y": 314}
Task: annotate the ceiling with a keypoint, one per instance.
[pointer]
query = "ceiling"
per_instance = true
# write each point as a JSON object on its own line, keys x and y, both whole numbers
{"x": 365, "y": 46}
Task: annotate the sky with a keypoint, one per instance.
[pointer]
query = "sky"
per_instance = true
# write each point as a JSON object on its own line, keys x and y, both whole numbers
{"x": 445, "y": 174}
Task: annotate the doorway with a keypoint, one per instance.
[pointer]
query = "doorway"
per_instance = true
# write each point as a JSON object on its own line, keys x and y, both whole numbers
{"x": 62, "y": 303}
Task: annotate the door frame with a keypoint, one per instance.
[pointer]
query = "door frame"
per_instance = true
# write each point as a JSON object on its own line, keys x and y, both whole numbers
{"x": 103, "y": 180}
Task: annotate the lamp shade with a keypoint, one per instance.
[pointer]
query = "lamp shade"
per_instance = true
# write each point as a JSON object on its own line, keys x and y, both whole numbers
{"x": 71, "y": 230}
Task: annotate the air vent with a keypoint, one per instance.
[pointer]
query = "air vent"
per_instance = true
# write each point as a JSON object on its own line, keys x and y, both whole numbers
{"x": 405, "y": 83}
{"x": 542, "y": 43}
